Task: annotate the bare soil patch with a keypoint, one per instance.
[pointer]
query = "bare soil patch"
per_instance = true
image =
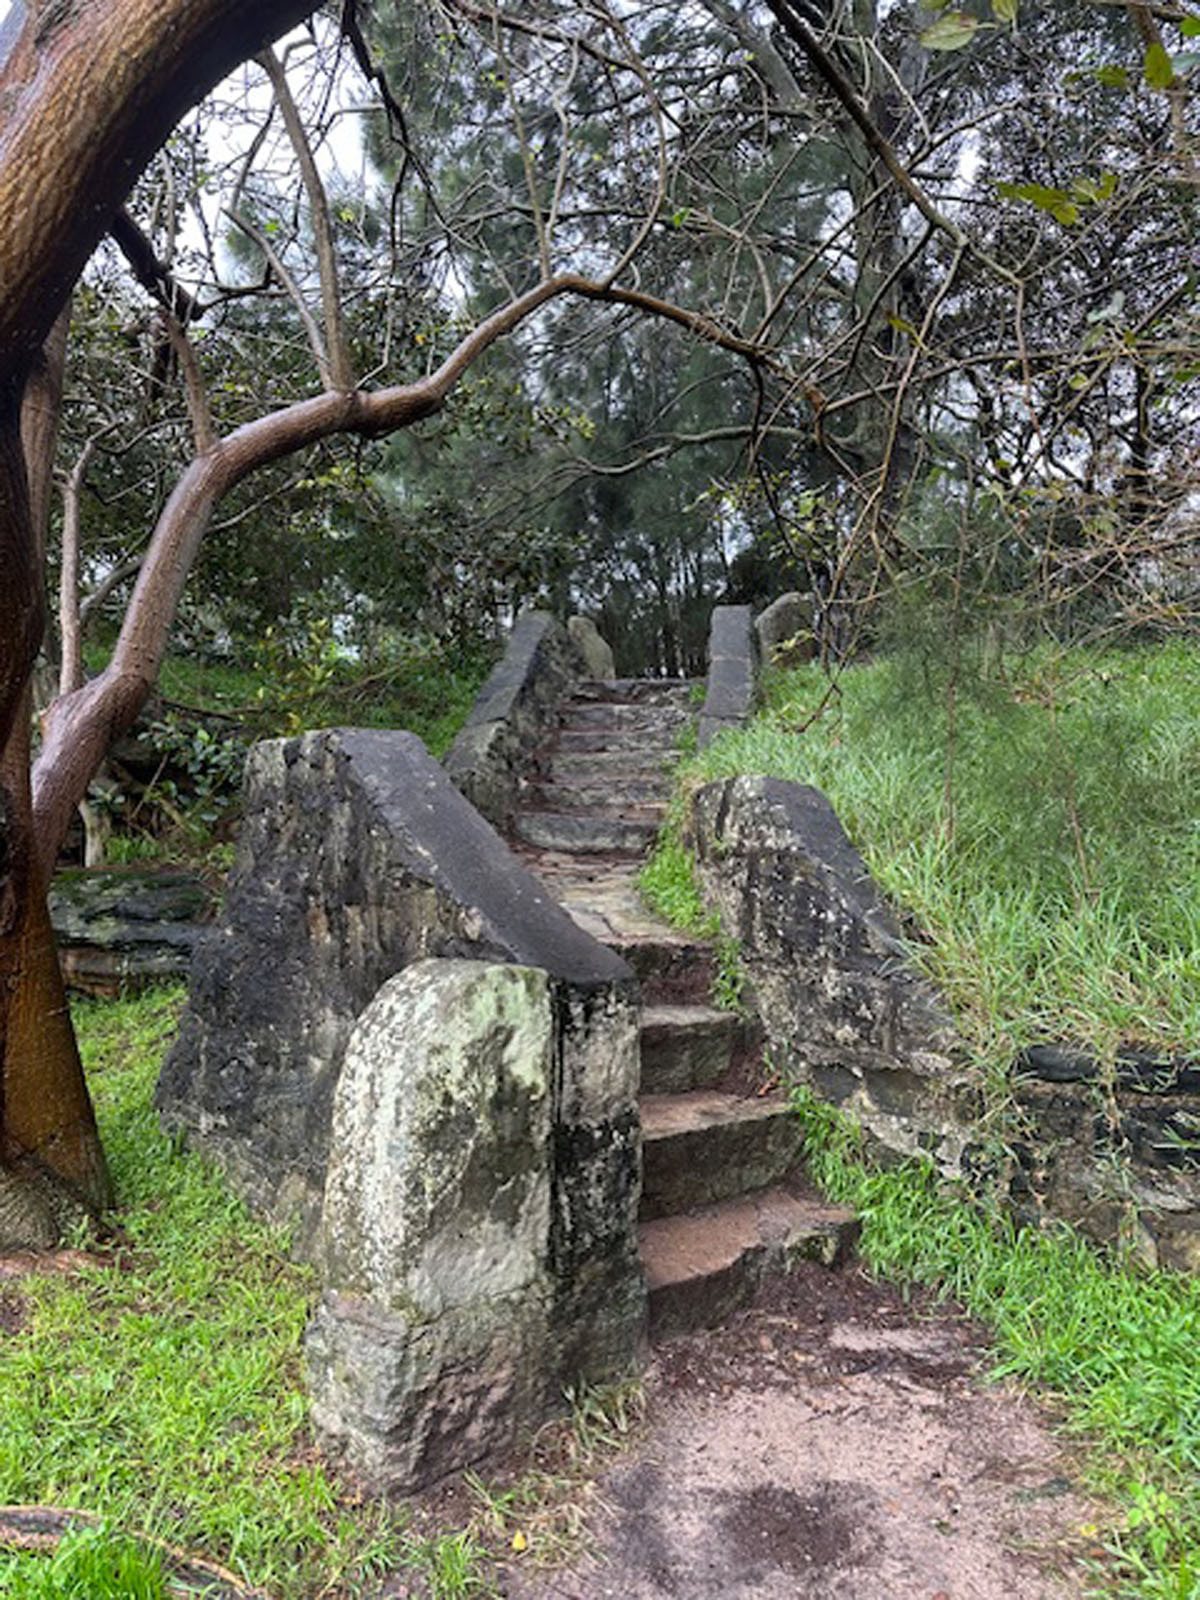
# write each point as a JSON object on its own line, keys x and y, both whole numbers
{"x": 834, "y": 1442}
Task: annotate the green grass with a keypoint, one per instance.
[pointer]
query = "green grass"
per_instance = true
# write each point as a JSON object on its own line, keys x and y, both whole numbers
{"x": 668, "y": 883}
{"x": 1040, "y": 827}
{"x": 162, "y": 1387}
{"x": 89, "y": 1564}
{"x": 1117, "y": 1349}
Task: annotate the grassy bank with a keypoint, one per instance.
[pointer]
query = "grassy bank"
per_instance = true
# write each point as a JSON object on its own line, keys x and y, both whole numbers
{"x": 1038, "y": 824}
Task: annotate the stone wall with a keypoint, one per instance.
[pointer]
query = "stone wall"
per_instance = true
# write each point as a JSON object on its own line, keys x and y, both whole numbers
{"x": 118, "y": 928}
{"x": 824, "y": 957}
{"x": 1111, "y": 1150}
{"x": 512, "y": 714}
{"x": 1115, "y": 1149}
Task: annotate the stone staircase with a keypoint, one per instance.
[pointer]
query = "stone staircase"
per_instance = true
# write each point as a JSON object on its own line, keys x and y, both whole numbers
{"x": 722, "y": 1204}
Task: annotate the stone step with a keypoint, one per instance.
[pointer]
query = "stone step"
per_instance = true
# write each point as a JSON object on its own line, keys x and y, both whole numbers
{"x": 671, "y": 970}
{"x": 607, "y": 792}
{"x": 702, "y": 1266}
{"x": 565, "y": 765}
{"x": 636, "y": 797}
{"x": 686, "y": 1047}
{"x": 618, "y": 715}
{"x": 663, "y": 691}
{"x": 704, "y": 1146}
{"x": 585, "y": 832}
{"x": 649, "y": 745}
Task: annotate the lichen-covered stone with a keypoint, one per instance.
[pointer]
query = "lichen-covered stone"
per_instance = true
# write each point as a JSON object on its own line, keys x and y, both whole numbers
{"x": 784, "y": 629}
{"x": 825, "y": 959}
{"x": 476, "y": 1247}
{"x": 438, "y": 1186}
{"x": 593, "y": 647}
{"x": 433, "y": 1346}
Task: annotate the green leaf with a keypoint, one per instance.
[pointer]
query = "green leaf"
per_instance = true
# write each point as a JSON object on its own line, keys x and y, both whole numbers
{"x": 1158, "y": 69}
{"x": 1113, "y": 76}
{"x": 1190, "y": 27}
{"x": 950, "y": 32}
{"x": 1005, "y": 10}
{"x": 1056, "y": 201}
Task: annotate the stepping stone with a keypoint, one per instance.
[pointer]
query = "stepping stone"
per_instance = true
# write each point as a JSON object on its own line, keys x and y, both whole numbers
{"x": 583, "y": 831}
{"x": 702, "y": 1266}
{"x": 704, "y": 1146}
{"x": 686, "y": 1047}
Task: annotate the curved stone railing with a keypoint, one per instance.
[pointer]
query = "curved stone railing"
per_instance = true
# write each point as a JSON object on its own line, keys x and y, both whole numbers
{"x": 513, "y": 711}
{"x": 398, "y": 1043}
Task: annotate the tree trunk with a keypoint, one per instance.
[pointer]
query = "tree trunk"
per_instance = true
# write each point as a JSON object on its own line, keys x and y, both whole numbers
{"x": 48, "y": 1135}
{"x": 89, "y": 93}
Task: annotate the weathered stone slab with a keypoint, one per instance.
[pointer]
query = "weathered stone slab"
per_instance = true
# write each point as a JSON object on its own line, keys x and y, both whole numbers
{"x": 784, "y": 629}
{"x": 120, "y": 927}
{"x": 827, "y": 965}
{"x": 593, "y": 647}
{"x": 434, "y": 1344}
{"x": 512, "y": 713}
{"x": 732, "y": 669}
{"x": 358, "y": 856}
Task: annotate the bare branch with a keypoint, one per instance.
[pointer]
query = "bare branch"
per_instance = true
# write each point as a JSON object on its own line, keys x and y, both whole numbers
{"x": 340, "y": 374}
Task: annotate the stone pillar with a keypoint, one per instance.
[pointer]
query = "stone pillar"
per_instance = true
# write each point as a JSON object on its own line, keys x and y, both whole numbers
{"x": 593, "y": 647}
{"x": 732, "y": 672}
{"x": 433, "y": 1343}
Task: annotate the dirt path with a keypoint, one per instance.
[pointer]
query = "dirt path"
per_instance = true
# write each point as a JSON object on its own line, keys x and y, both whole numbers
{"x": 832, "y": 1443}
